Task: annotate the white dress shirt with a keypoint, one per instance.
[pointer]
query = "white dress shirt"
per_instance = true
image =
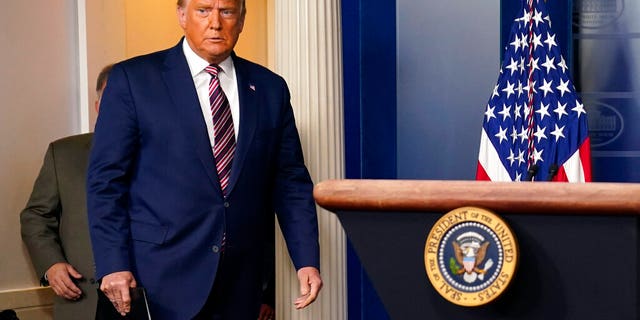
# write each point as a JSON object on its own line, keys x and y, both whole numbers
{"x": 201, "y": 79}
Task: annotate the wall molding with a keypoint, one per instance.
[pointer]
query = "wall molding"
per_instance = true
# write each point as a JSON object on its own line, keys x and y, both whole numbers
{"x": 307, "y": 53}
{"x": 83, "y": 81}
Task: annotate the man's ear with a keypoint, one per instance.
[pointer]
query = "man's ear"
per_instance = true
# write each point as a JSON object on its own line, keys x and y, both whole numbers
{"x": 244, "y": 14}
{"x": 182, "y": 16}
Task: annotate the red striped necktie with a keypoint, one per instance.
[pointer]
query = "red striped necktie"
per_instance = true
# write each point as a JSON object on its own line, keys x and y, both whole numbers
{"x": 224, "y": 145}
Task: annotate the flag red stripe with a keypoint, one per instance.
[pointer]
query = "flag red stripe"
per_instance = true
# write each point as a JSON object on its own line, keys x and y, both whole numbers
{"x": 481, "y": 174}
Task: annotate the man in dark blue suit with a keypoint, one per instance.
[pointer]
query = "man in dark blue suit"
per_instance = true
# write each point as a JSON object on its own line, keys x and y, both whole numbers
{"x": 170, "y": 211}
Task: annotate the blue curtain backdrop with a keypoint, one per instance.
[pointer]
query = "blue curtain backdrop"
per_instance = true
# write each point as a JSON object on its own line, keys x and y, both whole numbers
{"x": 370, "y": 128}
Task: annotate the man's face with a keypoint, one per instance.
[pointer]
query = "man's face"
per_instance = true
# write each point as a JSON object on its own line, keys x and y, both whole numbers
{"x": 212, "y": 27}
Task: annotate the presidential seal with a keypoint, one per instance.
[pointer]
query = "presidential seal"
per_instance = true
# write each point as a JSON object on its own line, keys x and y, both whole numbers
{"x": 606, "y": 123}
{"x": 470, "y": 256}
{"x": 597, "y": 14}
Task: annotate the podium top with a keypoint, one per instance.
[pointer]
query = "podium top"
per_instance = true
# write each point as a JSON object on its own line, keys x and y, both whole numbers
{"x": 514, "y": 197}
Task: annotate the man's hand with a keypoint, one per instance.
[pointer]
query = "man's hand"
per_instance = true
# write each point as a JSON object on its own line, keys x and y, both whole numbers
{"x": 310, "y": 285}
{"x": 266, "y": 312}
{"x": 59, "y": 277}
{"x": 116, "y": 287}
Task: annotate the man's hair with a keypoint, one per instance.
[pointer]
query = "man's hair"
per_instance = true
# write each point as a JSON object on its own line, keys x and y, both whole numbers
{"x": 102, "y": 77}
{"x": 182, "y": 2}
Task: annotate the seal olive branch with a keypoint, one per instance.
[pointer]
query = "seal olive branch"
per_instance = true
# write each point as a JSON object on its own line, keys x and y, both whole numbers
{"x": 453, "y": 266}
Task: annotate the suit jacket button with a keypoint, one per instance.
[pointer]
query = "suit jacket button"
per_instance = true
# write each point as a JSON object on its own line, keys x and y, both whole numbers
{"x": 226, "y": 204}
{"x": 215, "y": 249}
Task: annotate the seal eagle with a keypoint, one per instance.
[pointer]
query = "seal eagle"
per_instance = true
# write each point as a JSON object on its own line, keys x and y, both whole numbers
{"x": 470, "y": 255}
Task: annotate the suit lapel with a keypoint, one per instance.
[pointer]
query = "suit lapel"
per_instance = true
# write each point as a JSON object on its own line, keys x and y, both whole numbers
{"x": 248, "y": 118}
{"x": 183, "y": 94}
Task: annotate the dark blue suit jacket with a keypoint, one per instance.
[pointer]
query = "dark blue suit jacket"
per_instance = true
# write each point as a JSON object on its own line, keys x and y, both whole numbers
{"x": 154, "y": 200}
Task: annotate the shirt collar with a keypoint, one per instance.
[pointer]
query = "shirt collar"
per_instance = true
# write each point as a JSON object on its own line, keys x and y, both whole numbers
{"x": 197, "y": 64}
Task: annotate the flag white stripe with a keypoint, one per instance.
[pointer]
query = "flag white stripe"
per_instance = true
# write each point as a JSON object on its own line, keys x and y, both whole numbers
{"x": 573, "y": 168}
{"x": 489, "y": 157}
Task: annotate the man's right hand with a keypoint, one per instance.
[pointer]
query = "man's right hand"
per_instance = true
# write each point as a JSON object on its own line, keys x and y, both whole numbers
{"x": 310, "y": 285}
{"x": 266, "y": 312}
{"x": 116, "y": 287}
{"x": 59, "y": 278}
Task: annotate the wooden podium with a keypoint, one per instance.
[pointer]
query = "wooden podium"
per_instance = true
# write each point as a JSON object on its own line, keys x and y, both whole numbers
{"x": 579, "y": 244}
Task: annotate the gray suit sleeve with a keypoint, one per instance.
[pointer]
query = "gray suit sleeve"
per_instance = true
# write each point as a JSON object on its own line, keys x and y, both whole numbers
{"x": 40, "y": 219}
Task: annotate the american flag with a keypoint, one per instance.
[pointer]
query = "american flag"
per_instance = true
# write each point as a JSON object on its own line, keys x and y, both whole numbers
{"x": 535, "y": 127}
